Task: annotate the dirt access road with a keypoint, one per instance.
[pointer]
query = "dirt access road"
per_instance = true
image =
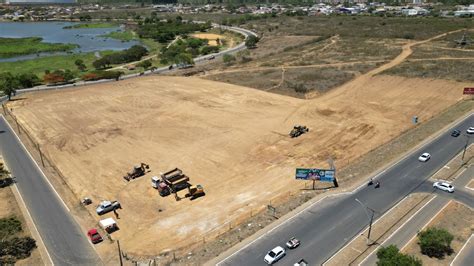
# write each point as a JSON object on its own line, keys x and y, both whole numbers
{"x": 233, "y": 140}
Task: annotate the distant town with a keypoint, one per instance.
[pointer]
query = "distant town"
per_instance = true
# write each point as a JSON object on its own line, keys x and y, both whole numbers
{"x": 50, "y": 10}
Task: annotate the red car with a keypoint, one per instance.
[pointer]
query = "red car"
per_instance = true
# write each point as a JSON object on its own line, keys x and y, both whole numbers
{"x": 94, "y": 236}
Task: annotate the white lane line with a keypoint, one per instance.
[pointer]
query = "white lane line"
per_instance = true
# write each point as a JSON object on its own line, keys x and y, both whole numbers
{"x": 460, "y": 251}
{"x": 424, "y": 226}
{"x": 22, "y": 202}
{"x": 279, "y": 225}
{"x": 31, "y": 158}
{"x": 398, "y": 229}
{"x": 365, "y": 229}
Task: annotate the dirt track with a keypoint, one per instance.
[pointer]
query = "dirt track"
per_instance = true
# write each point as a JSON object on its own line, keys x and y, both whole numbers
{"x": 232, "y": 140}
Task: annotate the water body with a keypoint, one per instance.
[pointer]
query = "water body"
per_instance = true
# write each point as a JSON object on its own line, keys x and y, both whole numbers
{"x": 53, "y": 32}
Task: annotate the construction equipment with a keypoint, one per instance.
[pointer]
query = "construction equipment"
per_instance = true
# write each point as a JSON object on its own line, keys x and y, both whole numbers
{"x": 137, "y": 171}
{"x": 298, "y": 130}
{"x": 172, "y": 182}
{"x": 195, "y": 192}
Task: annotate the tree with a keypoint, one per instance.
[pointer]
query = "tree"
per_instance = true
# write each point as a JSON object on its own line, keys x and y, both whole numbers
{"x": 391, "y": 256}
{"x": 8, "y": 84}
{"x": 228, "y": 59}
{"x": 27, "y": 80}
{"x": 435, "y": 242}
{"x": 80, "y": 65}
{"x": 145, "y": 64}
{"x": 184, "y": 59}
{"x": 101, "y": 63}
{"x": 251, "y": 41}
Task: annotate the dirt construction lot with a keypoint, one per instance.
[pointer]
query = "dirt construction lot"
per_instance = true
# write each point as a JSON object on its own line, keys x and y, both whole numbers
{"x": 233, "y": 140}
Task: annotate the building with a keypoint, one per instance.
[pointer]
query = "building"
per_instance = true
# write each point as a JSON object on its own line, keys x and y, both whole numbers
{"x": 40, "y": 2}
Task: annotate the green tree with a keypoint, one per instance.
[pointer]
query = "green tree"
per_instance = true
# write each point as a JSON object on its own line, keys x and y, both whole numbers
{"x": 101, "y": 63}
{"x": 391, "y": 256}
{"x": 435, "y": 242}
{"x": 251, "y": 42}
{"x": 8, "y": 84}
{"x": 80, "y": 65}
{"x": 28, "y": 80}
{"x": 228, "y": 59}
{"x": 145, "y": 64}
{"x": 184, "y": 59}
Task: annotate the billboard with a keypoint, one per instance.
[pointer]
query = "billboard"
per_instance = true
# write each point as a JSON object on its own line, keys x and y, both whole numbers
{"x": 468, "y": 91}
{"x": 324, "y": 175}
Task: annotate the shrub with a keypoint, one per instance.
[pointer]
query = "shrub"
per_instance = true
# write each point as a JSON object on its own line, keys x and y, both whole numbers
{"x": 391, "y": 256}
{"x": 15, "y": 249}
{"x": 435, "y": 242}
{"x": 228, "y": 59}
{"x": 9, "y": 226}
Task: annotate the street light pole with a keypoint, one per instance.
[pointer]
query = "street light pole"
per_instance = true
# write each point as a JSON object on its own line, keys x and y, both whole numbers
{"x": 370, "y": 216}
{"x": 465, "y": 147}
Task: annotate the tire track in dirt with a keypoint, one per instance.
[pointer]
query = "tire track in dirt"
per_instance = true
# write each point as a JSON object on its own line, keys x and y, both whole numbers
{"x": 353, "y": 85}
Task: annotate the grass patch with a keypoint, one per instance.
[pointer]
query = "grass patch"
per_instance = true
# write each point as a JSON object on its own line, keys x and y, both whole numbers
{"x": 91, "y": 25}
{"x": 10, "y": 47}
{"x": 39, "y": 65}
{"x": 121, "y": 35}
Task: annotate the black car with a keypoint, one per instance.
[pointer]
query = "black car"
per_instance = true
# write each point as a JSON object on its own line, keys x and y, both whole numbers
{"x": 456, "y": 133}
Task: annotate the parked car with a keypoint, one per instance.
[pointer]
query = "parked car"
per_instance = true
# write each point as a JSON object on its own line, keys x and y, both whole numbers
{"x": 212, "y": 57}
{"x": 301, "y": 262}
{"x": 107, "y": 206}
{"x": 292, "y": 243}
{"x": 424, "y": 157}
{"x": 444, "y": 186}
{"x": 274, "y": 255}
{"x": 456, "y": 133}
{"x": 470, "y": 130}
{"x": 94, "y": 236}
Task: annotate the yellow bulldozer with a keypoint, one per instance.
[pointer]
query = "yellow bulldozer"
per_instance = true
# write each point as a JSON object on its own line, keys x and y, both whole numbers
{"x": 137, "y": 171}
{"x": 195, "y": 192}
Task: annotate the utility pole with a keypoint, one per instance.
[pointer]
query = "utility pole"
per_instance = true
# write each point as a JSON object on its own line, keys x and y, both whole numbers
{"x": 465, "y": 147}
{"x": 120, "y": 252}
{"x": 371, "y": 219}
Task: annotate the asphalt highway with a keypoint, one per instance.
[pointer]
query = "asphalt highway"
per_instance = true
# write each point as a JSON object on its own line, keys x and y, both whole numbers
{"x": 325, "y": 227}
{"x": 65, "y": 242}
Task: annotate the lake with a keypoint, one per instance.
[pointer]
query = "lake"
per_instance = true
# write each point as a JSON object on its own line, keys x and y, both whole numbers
{"x": 87, "y": 38}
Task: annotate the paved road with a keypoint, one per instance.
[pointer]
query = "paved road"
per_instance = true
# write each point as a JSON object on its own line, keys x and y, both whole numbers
{"x": 63, "y": 238}
{"x": 197, "y": 60}
{"x": 466, "y": 255}
{"x": 418, "y": 221}
{"x": 325, "y": 227}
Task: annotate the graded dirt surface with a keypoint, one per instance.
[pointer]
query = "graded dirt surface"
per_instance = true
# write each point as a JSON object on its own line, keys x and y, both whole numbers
{"x": 232, "y": 140}
{"x": 212, "y": 38}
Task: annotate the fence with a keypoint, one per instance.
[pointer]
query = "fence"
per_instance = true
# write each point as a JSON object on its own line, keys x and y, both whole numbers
{"x": 46, "y": 161}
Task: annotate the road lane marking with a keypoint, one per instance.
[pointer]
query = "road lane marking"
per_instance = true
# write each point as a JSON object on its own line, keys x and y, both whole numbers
{"x": 460, "y": 251}
{"x": 37, "y": 166}
{"x": 398, "y": 229}
{"x": 22, "y": 202}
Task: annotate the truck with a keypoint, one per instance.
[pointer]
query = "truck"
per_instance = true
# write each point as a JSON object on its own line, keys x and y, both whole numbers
{"x": 107, "y": 206}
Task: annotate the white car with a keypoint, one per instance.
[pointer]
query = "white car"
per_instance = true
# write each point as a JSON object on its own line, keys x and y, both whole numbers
{"x": 444, "y": 186}
{"x": 274, "y": 255}
{"x": 470, "y": 130}
{"x": 424, "y": 157}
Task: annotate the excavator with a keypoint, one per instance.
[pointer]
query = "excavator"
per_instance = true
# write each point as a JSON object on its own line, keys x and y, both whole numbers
{"x": 195, "y": 192}
{"x": 137, "y": 171}
{"x": 298, "y": 130}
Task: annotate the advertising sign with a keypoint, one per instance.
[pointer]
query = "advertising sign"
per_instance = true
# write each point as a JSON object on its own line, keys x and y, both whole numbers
{"x": 468, "y": 91}
{"x": 315, "y": 174}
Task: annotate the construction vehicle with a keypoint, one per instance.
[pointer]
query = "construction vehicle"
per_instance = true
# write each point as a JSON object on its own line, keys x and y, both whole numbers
{"x": 137, "y": 171}
{"x": 298, "y": 131}
{"x": 172, "y": 182}
{"x": 195, "y": 192}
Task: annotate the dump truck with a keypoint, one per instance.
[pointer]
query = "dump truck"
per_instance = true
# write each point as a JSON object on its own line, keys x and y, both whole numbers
{"x": 172, "y": 182}
{"x": 137, "y": 171}
{"x": 298, "y": 131}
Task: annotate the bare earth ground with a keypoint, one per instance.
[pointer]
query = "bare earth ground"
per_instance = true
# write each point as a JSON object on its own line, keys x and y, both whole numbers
{"x": 458, "y": 220}
{"x": 230, "y": 139}
{"x": 8, "y": 208}
{"x": 211, "y": 37}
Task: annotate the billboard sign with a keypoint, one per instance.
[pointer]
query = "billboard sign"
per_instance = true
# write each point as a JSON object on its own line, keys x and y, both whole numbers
{"x": 315, "y": 174}
{"x": 468, "y": 91}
